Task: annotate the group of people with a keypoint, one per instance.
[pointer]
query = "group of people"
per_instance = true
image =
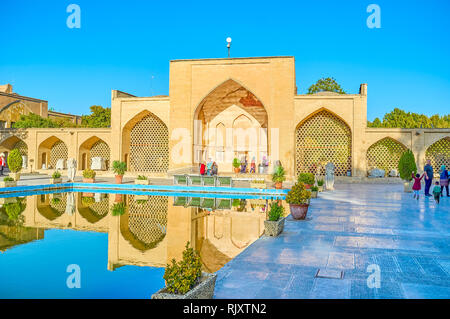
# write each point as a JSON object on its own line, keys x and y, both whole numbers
{"x": 210, "y": 168}
{"x": 439, "y": 185}
{"x": 244, "y": 164}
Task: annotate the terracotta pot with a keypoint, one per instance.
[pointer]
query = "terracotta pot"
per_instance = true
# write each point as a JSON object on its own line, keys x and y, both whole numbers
{"x": 118, "y": 198}
{"x": 87, "y": 194}
{"x": 119, "y": 179}
{"x": 237, "y": 170}
{"x": 88, "y": 180}
{"x": 307, "y": 186}
{"x": 299, "y": 211}
{"x": 278, "y": 185}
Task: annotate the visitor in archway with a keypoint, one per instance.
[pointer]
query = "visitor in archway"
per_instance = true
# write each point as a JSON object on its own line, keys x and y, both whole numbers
{"x": 202, "y": 168}
{"x": 417, "y": 186}
{"x": 437, "y": 192}
{"x": 428, "y": 169}
{"x": 444, "y": 181}
{"x": 215, "y": 169}
{"x": 253, "y": 165}
{"x": 2, "y": 163}
{"x": 209, "y": 167}
{"x": 244, "y": 164}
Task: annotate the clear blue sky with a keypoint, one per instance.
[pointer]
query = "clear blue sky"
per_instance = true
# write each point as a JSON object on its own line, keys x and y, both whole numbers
{"x": 122, "y": 44}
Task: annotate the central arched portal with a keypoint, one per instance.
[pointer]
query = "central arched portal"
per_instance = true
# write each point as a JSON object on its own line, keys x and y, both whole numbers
{"x": 230, "y": 122}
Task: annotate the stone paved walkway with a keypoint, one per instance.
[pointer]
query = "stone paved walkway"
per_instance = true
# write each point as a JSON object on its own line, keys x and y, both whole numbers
{"x": 355, "y": 226}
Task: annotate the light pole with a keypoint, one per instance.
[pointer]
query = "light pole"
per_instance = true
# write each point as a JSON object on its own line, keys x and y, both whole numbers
{"x": 229, "y": 45}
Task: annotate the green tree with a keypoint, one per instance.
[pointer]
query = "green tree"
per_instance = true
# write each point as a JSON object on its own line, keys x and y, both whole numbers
{"x": 15, "y": 161}
{"x": 401, "y": 119}
{"x": 326, "y": 84}
{"x": 99, "y": 117}
{"x": 34, "y": 121}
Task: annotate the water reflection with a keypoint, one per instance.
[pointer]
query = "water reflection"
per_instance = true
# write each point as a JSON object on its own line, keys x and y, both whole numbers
{"x": 142, "y": 230}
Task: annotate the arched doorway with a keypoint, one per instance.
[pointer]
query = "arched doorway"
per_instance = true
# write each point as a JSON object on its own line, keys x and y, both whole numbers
{"x": 145, "y": 142}
{"x": 14, "y": 142}
{"x": 230, "y": 122}
{"x": 439, "y": 153}
{"x": 385, "y": 154}
{"x": 50, "y": 151}
{"x": 94, "y": 147}
{"x": 321, "y": 138}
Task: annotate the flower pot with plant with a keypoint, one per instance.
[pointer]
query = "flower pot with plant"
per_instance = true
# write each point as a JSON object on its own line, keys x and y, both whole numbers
{"x": 141, "y": 180}
{"x": 275, "y": 224}
{"x": 314, "y": 191}
{"x": 236, "y": 165}
{"x": 307, "y": 179}
{"x": 15, "y": 164}
{"x": 119, "y": 169}
{"x": 298, "y": 200}
{"x": 8, "y": 182}
{"x": 89, "y": 176}
{"x": 118, "y": 209}
{"x": 320, "y": 185}
{"x": 406, "y": 165}
{"x": 279, "y": 177}
{"x": 185, "y": 279}
{"x": 56, "y": 178}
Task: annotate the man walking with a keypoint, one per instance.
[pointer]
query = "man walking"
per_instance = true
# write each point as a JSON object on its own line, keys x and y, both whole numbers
{"x": 428, "y": 169}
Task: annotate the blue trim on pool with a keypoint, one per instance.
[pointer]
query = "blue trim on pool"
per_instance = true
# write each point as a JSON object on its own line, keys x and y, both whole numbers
{"x": 167, "y": 190}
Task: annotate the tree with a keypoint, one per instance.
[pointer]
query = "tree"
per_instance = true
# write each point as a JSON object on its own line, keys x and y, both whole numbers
{"x": 401, "y": 119}
{"x": 34, "y": 121}
{"x": 99, "y": 117}
{"x": 15, "y": 161}
{"x": 326, "y": 85}
{"x": 407, "y": 165}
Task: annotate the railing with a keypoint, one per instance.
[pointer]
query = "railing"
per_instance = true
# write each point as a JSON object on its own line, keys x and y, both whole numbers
{"x": 202, "y": 180}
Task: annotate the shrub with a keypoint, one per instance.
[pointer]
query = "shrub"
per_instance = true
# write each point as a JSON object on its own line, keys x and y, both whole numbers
{"x": 298, "y": 194}
{"x": 8, "y": 179}
{"x": 15, "y": 161}
{"x": 119, "y": 167}
{"x": 320, "y": 182}
{"x": 56, "y": 174}
{"x": 236, "y": 202}
{"x": 183, "y": 276}
{"x": 407, "y": 165}
{"x": 118, "y": 209}
{"x": 306, "y": 178}
{"x": 89, "y": 173}
{"x": 142, "y": 178}
{"x": 276, "y": 211}
{"x": 87, "y": 201}
{"x": 314, "y": 188}
{"x": 13, "y": 210}
{"x": 236, "y": 162}
{"x": 278, "y": 175}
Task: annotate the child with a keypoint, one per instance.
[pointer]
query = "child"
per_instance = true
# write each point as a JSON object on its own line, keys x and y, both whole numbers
{"x": 437, "y": 192}
{"x": 417, "y": 186}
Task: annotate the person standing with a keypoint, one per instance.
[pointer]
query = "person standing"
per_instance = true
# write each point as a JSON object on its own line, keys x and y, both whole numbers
{"x": 416, "y": 187}
{"x": 2, "y": 163}
{"x": 444, "y": 181}
{"x": 428, "y": 169}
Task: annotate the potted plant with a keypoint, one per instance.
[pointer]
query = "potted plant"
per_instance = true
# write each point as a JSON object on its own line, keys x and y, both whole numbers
{"x": 320, "y": 185}
{"x": 119, "y": 169}
{"x": 258, "y": 183}
{"x": 185, "y": 279}
{"x": 279, "y": 177}
{"x": 236, "y": 165}
{"x": 15, "y": 163}
{"x": 8, "y": 182}
{"x": 87, "y": 200}
{"x": 56, "y": 200}
{"x": 406, "y": 165}
{"x": 56, "y": 178}
{"x": 275, "y": 224}
{"x": 307, "y": 179}
{"x": 298, "y": 200}
{"x": 89, "y": 176}
{"x": 314, "y": 191}
{"x": 141, "y": 180}
{"x": 118, "y": 209}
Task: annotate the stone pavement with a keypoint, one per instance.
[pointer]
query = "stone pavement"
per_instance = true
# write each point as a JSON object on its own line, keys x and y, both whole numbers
{"x": 355, "y": 226}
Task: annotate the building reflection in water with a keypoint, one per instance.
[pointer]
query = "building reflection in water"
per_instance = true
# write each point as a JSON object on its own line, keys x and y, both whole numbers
{"x": 147, "y": 231}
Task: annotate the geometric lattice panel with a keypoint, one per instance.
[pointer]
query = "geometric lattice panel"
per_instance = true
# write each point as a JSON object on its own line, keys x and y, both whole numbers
{"x": 385, "y": 154}
{"x": 22, "y": 147}
{"x": 149, "y": 146}
{"x": 101, "y": 208}
{"x": 147, "y": 220}
{"x": 439, "y": 153}
{"x": 320, "y": 139}
{"x": 59, "y": 205}
{"x": 58, "y": 151}
{"x": 100, "y": 149}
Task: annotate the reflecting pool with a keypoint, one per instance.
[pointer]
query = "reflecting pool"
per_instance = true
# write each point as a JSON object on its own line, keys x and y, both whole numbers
{"x": 120, "y": 242}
